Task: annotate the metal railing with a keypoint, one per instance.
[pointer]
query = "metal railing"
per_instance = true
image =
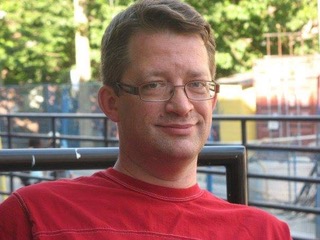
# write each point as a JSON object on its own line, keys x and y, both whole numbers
{"x": 233, "y": 158}
{"x": 252, "y": 147}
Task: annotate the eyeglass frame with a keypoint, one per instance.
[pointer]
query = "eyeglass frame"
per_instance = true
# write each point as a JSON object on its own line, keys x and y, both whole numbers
{"x": 135, "y": 90}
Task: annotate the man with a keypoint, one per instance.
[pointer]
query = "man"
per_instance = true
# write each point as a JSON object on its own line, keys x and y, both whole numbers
{"x": 157, "y": 69}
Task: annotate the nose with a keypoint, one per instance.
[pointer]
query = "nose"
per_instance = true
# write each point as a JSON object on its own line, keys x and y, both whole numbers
{"x": 179, "y": 103}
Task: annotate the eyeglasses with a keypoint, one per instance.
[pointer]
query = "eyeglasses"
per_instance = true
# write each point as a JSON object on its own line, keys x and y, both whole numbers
{"x": 161, "y": 91}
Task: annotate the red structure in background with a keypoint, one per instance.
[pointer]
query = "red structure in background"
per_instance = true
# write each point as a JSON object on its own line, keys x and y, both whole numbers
{"x": 318, "y": 96}
{"x": 287, "y": 85}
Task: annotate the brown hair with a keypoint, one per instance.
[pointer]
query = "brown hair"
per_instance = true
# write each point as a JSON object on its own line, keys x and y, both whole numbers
{"x": 149, "y": 16}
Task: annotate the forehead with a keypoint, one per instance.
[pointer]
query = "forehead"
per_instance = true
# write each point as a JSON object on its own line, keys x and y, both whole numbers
{"x": 163, "y": 41}
{"x": 168, "y": 53}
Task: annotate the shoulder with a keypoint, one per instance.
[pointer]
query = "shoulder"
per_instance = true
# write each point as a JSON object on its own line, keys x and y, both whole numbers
{"x": 47, "y": 192}
{"x": 262, "y": 222}
{"x": 62, "y": 185}
{"x": 270, "y": 225}
{"x": 257, "y": 220}
{"x": 14, "y": 221}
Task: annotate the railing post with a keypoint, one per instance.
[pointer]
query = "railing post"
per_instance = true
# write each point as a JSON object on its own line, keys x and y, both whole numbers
{"x": 53, "y": 127}
{"x": 317, "y": 203}
{"x": 105, "y": 132}
{"x": 243, "y": 132}
{"x": 9, "y": 132}
{"x": 209, "y": 182}
{"x": 11, "y": 183}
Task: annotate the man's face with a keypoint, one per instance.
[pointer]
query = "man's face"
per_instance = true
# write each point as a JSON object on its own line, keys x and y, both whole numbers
{"x": 175, "y": 129}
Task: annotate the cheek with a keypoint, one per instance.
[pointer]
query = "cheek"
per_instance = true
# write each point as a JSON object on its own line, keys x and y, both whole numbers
{"x": 148, "y": 114}
{"x": 137, "y": 113}
{"x": 205, "y": 110}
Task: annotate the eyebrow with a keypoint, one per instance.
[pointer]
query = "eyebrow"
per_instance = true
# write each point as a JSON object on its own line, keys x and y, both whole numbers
{"x": 153, "y": 73}
{"x": 195, "y": 74}
{"x": 159, "y": 73}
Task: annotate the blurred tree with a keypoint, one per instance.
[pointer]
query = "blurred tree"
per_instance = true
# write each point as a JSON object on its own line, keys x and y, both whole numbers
{"x": 37, "y": 37}
{"x": 36, "y": 41}
{"x": 239, "y": 27}
{"x": 100, "y": 14}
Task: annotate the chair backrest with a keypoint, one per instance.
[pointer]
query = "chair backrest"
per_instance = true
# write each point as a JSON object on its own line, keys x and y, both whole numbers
{"x": 35, "y": 159}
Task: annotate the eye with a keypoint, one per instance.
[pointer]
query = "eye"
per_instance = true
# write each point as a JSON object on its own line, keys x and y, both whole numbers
{"x": 153, "y": 86}
{"x": 197, "y": 84}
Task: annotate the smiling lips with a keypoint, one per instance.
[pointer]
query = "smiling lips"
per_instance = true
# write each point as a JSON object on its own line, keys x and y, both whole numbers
{"x": 177, "y": 129}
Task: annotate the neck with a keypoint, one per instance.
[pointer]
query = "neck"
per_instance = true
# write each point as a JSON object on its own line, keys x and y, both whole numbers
{"x": 166, "y": 173}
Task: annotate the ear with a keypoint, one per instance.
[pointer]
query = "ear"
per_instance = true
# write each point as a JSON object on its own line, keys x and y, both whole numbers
{"x": 108, "y": 102}
{"x": 214, "y": 101}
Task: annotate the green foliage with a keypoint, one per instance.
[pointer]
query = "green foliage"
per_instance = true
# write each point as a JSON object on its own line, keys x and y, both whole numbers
{"x": 36, "y": 41}
{"x": 37, "y": 36}
{"x": 240, "y": 26}
{"x": 100, "y": 14}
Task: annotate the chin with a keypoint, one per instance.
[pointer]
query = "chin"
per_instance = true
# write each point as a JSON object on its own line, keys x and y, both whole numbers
{"x": 182, "y": 151}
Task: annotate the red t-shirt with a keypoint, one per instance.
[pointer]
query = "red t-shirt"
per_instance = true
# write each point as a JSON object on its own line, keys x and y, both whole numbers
{"x": 111, "y": 205}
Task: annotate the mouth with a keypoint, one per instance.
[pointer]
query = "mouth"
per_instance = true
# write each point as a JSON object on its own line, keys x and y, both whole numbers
{"x": 177, "y": 129}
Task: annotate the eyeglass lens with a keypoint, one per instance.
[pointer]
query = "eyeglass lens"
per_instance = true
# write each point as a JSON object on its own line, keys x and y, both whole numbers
{"x": 163, "y": 91}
